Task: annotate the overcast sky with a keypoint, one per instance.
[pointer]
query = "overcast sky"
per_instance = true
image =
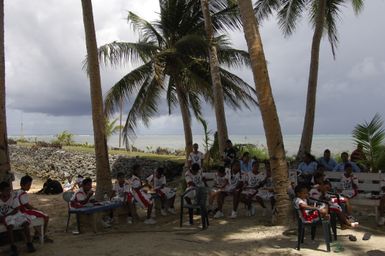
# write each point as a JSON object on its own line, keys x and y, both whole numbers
{"x": 48, "y": 90}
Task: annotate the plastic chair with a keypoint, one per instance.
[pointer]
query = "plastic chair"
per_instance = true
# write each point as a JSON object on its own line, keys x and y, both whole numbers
{"x": 199, "y": 204}
{"x": 313, "y": 225}
{"x": 67, "y": 197}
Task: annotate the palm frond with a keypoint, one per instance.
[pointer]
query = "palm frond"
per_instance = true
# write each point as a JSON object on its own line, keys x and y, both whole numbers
{"x": 171, "y": 97}
{"x": 265, "y": 8}
{"x": 289, "y": 13}
{"x": 358, "y": 5}
{"x": 147, "y": 31}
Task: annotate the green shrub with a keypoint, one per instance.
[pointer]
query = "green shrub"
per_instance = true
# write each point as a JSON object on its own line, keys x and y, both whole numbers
{"x": 259, "y": 152}
{"x": 64, "y": 138}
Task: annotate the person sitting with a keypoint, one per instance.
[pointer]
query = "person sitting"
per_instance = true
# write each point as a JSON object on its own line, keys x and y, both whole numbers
{"x": 221, "y": 180}
{"x": 28, "y": 209}
{"x": 194, "y": 179}
{"x": 229, "y": 154}
{"x": 246, "y": 163}
{"x": 195, "y": 156}
{"x": 234, "y": 188}
{"x": 167, "y": 195}
{"x": 121, "y": 191}
{"x": 69, "y": 184}
{"x": 307, "y": 169}
{"x": 253, "y": 181}
{"x": 328, "y": 162}
{"x": 358, "y": 156}
{"x": 345, "y": 160}
{"x": 321, "y": 193}
{"x": 141, "y": 196}
{"x": 79, "y": 180}
{"x": 319, "y": 176}
{"x": 307, "y": 212}
{"x": 83, "y": 195}
{"x": 11, "y": 217}
{"x": 51, "y": 187}
{"x": 349, "y": 182}
{"x": 266, "y": 191}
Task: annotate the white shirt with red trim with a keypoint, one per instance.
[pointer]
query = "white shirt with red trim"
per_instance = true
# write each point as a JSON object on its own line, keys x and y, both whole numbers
{"x": 157, "y": 182}
{"x": 196, "y": 179}
{"x": 346, "y": 183}
{"x": 9, "y": 205}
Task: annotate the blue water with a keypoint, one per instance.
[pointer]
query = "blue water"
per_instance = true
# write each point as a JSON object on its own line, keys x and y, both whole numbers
{"x": 336, "y": 143}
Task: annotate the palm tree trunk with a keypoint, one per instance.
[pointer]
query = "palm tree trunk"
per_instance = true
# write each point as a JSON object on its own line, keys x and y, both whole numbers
{"x": 308, "y": 125}
{"x": 216, "y": 80}
{"x": 185, "y": 118}
{"x": 120, "y": 122}
{"x": 103, "y": 174}
{"x": 268, "y": 111}
{"x": 4, "y": 153}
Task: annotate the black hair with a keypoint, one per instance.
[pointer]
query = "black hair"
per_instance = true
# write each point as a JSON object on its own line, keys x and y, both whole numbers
{"x": 327, "y": 150}
{"x": 245, "y": 154}
{"x": 25, "y": 180}
{"x": 119, "y": 175}
{"x": 4, "y": 185}
{"x": 86, "y": 181}
{"x": 80, "y": 176}
{"x": 300, "y": 187}
{"x": 326, "y": 182}
{"x": 160, "y": 170}
{"x": 255, "y": 162}
{"x": 195, "y": 167}
{"x": 221, "y": 169}
{"x": 195, "y": 144}
{"x": 229, "y": 141}
{"x": 345, "y": 153}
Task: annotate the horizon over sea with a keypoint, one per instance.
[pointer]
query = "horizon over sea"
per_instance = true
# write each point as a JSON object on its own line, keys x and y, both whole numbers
{"x": 337, "y": 143}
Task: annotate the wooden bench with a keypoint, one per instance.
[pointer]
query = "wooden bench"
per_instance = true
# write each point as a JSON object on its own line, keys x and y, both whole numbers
{"x": 37, "y": 222}
{"x": 369, "y": 188}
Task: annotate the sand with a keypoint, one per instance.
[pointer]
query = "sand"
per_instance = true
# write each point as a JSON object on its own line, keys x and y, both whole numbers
{"x": 242, "y": 236}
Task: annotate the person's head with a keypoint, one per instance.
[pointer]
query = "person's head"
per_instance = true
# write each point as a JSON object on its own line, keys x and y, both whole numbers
{"x": 26, "y": 182}
{"x": 229, "y": 144}
{"x": 308, "y": 158}
{"x": 5, "y": 191}
{"x": 344, "y": 157}
{"x": 246, "y": 157}
{"x": 326, "y": 186}
{"x": 195, "y": 168}
{"x": 120, "y": 177}
{"x": 159, "y": 172}
{"x": 327, "y": 154}
{"x": 195, "y": 147}
{"x": 348, "y": 169}
{"x": 235, "y": 167}
{"x": 87, "y": 184}
{"x": 221, "y": 171}
{"x": 319, "y": 177}
{"x": 136, "y": 169}
{"x": 301, "y": 191}
{"x": 321, "y": 168}
{"x": 255, "y": 167}
{"x": 79, "y": 180}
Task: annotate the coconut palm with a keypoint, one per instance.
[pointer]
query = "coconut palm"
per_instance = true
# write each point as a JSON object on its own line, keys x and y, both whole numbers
{"x": 175, "y": 66}
{"x": 323, "y": 16}
{"x": 4, "y": 153}
{"x": 103, "y": 174}
{"x": 112, "y": 128}
{"x": 268, "y": 110}
{"x": 371, "y": 136}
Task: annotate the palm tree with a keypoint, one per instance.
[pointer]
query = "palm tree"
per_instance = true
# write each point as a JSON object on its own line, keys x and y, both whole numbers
{"x": 103, "y": 174}
{"x": 4, "y": 153}
{"x": 323, "y": 16}
{"x": 176, "y": 66}
{"x": 268, "y": 111}
{"x": 112, "y": 128}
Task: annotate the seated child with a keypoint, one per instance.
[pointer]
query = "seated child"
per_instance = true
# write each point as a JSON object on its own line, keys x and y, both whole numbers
{"x": 307, "y": 212}
{"x": 121, "y": 191}
{"x": 167, "y": 195}
{"x": 321, "y": 193}
{"x": 234, "y": 188}
{"x": 266, "y": 191}
{"x": 28, "y": 209}
{"x": 194, "y": 179}
{"x": 69, "y": 184}
{"x": 221, "y": 180}
{"x": 349, "y": 182}
{"x": 253, "y": 181}
{"x": 11, "y": 217}
{"x": 143, "y": 198}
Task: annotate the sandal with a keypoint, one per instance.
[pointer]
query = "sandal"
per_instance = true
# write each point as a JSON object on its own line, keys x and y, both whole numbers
{"x": 352, "y": 238}
{"x": 366, "y": 236}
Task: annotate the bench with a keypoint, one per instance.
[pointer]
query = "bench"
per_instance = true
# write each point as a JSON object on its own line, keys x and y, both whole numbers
{"x": 369, "y": 188}
{"x": 37, "y": 222}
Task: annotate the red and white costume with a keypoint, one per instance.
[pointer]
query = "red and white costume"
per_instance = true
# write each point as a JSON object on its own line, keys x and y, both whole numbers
{"x": 234, "y": 181}
{"x": 23, "y": 198}
{"x": 252, "y": 182}
{"x": 264, "y": 192}
{"x": 347, "y": 186}
{"x": 139, "y": 194}
{"x": 159, "y": 185}
{"x": 77, "y": 200}
{"x": 17, "y": 219}
{"x": 193, "y": 180}
{"x": 123, "y": 192}
{"x": 333, "y": 204}
{"x": 306, "y": 215}
{"x": 220, "y": 182}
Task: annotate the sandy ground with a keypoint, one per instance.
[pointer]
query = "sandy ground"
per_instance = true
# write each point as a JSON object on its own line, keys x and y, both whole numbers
{"x": 242, "y": 236}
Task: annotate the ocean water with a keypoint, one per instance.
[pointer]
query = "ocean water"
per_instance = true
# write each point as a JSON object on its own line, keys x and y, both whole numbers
{"x": 336, "y": 143}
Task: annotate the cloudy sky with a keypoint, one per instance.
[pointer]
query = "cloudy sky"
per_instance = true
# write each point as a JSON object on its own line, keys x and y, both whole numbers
{"x": 48, "y": 91}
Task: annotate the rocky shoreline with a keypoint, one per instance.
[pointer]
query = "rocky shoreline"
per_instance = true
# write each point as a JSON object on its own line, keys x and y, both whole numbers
{"x": 45, "y": 162}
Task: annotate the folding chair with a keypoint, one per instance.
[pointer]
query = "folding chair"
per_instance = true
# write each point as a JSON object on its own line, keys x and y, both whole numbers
{"x": 199, "y": 203}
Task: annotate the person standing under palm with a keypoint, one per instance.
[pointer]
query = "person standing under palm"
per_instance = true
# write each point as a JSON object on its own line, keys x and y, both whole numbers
{"x": 195, "y": 156}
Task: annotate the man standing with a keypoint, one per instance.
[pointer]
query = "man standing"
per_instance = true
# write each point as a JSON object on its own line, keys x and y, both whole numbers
{"x": 195, "y": 157}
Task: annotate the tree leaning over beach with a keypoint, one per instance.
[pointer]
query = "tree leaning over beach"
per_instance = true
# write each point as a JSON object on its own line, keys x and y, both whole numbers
{"x": 4, "y": 152}
{"x": 268, "y": 110}
{"x": 175, "y": 66}
{"x": 323, "y": 16}
{"x": 103, "y": 174}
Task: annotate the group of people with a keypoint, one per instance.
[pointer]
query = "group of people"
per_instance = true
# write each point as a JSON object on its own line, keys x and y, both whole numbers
{"x": 16, "y": 211}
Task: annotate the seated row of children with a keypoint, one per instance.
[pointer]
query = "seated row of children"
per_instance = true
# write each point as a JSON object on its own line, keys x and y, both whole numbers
{"x": 16, "y": 211}
{"x": 133, "y": 191}
{"x": 244, "y": 187}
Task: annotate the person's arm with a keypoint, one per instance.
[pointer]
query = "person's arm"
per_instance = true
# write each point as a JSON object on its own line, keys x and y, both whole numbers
{"x": 308, "y": 207}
